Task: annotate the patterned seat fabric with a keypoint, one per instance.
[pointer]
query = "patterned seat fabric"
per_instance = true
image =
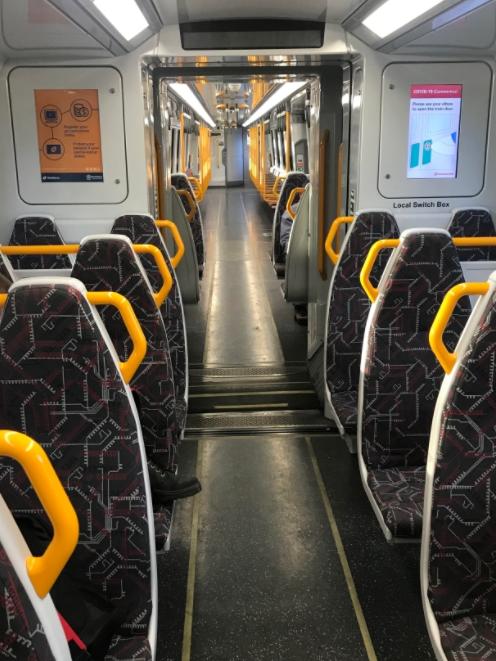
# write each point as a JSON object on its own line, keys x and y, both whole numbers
{"x": 473, "y": 222}
{"x": 142, "y": 229}
{"x": 21, "y": 634}
{"x": 109, "y": 264}
{"x": 461, "y": 579}
{"x": 348, "y": 311}
{"x": 60, "y": 383}
{"x": 293, "y": 180}
{"x": 37, "y": 230}
{"x": 180, "y": 182}
{"x": 136, "y": 648}
{"x": 402, "y": 377}
{"x": 469, "y": 638}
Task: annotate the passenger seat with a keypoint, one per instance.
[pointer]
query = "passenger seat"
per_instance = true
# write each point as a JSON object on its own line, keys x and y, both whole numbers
{"x": 141, "y": 228}
{"x": 181, "y": 182}
{"x": 458, "y": 540}
{"x": 347, "y": 310}
{"x": 472, "y": 223}
{"x": 400, "y": 377}
{"x": 61, "y": 382}
{"x": 293, "y": 180}
{"x": 37, "y": 230}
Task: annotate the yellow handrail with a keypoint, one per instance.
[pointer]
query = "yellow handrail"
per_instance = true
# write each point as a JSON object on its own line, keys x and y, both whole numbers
{"x": 371, "y": 291}
{"x": 447, "y": 358}
{"x": 44, "y": 570}
{"x": 459, "y": 242}
{"x": 168, "y": 224}
{"x": 333, "y": 231}
{"x": 192, "y": 206}
{"x": 128, "y": 368}
{"x": 275, "y": 187}
{"x": 292, "y": 195}
{"x": 59, "y": 249}
{"x": 167, "y": 280}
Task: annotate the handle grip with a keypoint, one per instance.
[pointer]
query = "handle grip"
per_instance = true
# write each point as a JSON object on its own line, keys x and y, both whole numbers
{"x": 331, "y": 237}
{"x": 163, "y": 292}
{"x": 44, "y": 570}
{"x": 128, "y": 368}
{"x": 168, "y": 224}
{"x": 447, "y": 358}
{"x": 371, "y": 291}
{"x": 292, "y": 195}
{"x": 192, "y": 205}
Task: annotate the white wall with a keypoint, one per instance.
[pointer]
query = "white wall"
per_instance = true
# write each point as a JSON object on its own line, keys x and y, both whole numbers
{"x": 76, "y": 220}
{"x": 367, "y": 161}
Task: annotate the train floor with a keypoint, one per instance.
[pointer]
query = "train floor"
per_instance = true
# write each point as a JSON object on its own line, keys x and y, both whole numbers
{"x": 280, "y": 556}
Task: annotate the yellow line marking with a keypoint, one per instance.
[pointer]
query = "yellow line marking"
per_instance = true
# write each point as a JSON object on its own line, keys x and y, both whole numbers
{"x": 193, "y": 551}
{"x": 362, "y": 624}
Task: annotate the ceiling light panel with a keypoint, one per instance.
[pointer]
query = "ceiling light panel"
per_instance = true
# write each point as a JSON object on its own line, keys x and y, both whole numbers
{"x": 281, "y": 94}
{"x": 125, "y": 15}
{"x": 185, "y": 93}
{"x": 394, "y": 14}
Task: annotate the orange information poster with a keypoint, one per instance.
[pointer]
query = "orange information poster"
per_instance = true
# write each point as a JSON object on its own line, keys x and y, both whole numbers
{"x": 69, "y": 140}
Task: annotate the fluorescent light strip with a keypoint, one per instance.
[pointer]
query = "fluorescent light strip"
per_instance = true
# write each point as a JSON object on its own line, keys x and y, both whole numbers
{"x": 281, "y": 94}
{"x": 394, "y": 14}
{"x": 125, "y": 15}
{"x": 185, "y": 92}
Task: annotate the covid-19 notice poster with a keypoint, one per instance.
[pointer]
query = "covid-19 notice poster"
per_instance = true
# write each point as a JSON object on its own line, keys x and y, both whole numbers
{"x": 435, "y": 112}
{"x": 69, "y": 139}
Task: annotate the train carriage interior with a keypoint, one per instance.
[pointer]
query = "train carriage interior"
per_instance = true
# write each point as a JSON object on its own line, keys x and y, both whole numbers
{"x": 247, "y": 330}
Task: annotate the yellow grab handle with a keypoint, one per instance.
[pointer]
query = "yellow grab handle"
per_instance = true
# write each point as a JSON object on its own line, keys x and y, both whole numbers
{"x": 44, "y": 570}
{"x": 459, "y": 242}
{"x": 333, "y": 231}
{"x": 129, "y": 367}
{"x": 275, "y": 187}
{"x": 195, "y": 182}
{"x": 187, "y": 195}
{"x": 3, "y": 299}
{"x": 447, "y": 358}
{"x": 59, "y": 249}
{"x": 371, "y": 291}
{"x": 292, "y": 195}
{"x": 168, "y": 224}
{"x": 163, "y": 292}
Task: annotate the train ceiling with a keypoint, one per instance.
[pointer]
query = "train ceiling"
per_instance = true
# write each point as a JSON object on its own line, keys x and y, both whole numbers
{"x": 58, "y": 29}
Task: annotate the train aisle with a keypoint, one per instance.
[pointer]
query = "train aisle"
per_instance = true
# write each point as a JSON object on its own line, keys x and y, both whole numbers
{"x": 265, "y": 563}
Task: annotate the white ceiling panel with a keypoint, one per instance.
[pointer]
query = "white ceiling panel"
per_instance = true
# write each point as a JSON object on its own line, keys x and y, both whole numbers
{"x": 29, "y": 26}
{"x": 332, "y": 11}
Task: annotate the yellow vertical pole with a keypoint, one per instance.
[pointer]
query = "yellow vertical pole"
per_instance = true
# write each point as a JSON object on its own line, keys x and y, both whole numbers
{"x": 182, "y": 142}
{"x": 288, "y": 141}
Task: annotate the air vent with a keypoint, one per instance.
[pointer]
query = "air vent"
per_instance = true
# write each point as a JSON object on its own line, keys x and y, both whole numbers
{"x": 251, "y": 34}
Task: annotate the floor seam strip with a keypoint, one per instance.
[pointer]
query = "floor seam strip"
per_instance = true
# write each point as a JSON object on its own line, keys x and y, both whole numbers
{"x": 193, "y": 552}
{"x": 357, "y": 607}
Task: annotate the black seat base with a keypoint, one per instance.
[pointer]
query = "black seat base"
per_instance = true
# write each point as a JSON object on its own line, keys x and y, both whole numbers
{"x": 399, "y": 494}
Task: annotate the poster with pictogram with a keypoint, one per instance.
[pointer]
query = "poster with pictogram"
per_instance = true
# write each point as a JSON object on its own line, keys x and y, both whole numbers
{"x": 69, "y": 139}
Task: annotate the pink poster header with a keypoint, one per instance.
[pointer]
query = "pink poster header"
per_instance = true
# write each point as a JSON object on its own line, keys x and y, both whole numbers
{"x": 436, "y": 91}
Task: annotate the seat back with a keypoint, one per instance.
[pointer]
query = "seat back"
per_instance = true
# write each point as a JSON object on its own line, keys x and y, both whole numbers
{"x": 348, "y": 308}
{"x": 141, "y": 228}
{"x": 29, "y": 626}
{"x": 459, "y": 542}
{"x": 297, "y": 259}
{"x": 180, "y": 182}
{"x": 293, "y": 180}
{"x": 60, "y": 383}
{"x": 37, "y": 230}
{"x": 108, "y": 263}
{"x": 400, "y": 376}
{"x": 473, "y": 222}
